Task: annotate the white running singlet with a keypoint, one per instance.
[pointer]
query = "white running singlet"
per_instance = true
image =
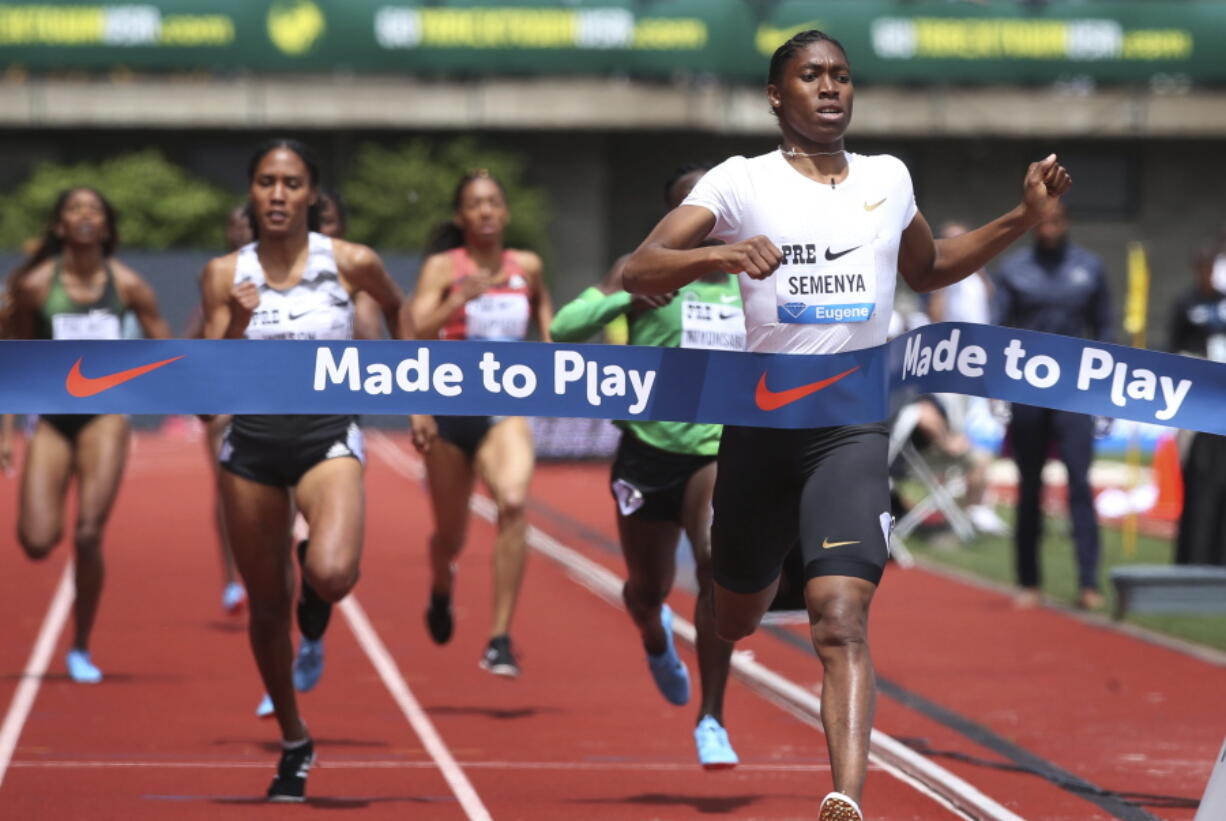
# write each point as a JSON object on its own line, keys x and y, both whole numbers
{"x": 317, "y": 307}
{"x": 834, "y": 290}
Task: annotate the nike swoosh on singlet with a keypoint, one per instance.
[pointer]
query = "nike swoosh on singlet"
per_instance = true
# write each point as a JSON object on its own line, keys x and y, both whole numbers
{"x": 81, "y": 386}
{"x": 300, "y": 314}
{"x": 835, "y": 255}
{"x": 769, "y": 400}
{"x": 873, "y": 207}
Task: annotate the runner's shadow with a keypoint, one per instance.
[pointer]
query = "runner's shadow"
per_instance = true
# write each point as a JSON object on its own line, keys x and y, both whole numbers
{"x": 705, "y": 804}
{"x": 327, "y": 802}
{"x": 275, "y": 746}
{"x": 492, "y": 712}
{"x": 52, "y": 679}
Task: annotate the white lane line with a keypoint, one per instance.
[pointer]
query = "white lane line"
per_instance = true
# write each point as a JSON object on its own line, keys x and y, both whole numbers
{"x": 921, "y": 773}
{"x": 331, "y": 764}
{"x": 36, "y": 667}
{"x": 399, "y": 688}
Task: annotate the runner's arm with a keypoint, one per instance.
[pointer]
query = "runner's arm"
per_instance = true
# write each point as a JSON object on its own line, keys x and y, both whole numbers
{"x": 365, "y": 271}
{"x": 138, "y": 295}
{"x": 927, "y": 264}
{"x": 542, "y": 302}
{"x": 433, "y": 300}
{"x": 588, "y": 313}
{"x": 220, "y": 320}
{"x": 672, "y": 257}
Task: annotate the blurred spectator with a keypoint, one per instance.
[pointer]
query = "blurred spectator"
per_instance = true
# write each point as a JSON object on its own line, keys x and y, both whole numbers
{"x": 1197, "y": 327}
{"x": 1061, "y": 288}
{"x": 965, "y": 301}
{"x": 944, "y": 422}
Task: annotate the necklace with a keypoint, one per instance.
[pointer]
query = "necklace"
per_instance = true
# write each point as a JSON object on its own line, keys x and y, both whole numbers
{"x": 792, "y": 152}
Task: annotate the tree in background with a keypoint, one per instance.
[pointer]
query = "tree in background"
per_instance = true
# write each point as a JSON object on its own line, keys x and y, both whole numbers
{"x": 160, "y": 204}
{"x": 398, "y": 195}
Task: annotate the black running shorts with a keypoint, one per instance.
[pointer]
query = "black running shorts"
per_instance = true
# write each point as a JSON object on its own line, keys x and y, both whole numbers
{"x": 826, "y": 487}
{"x": 282, "y": 462}
{"x": 68, "y": 425}
{"x": 466, "y": 432}
{"x": 648, "y": 482}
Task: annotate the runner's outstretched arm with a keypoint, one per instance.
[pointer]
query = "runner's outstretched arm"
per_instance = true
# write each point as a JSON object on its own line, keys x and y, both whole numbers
{"x": 927, "y": 264}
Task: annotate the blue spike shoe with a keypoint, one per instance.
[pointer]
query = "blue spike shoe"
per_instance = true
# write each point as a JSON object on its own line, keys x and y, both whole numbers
{"x": 670, "y": 674}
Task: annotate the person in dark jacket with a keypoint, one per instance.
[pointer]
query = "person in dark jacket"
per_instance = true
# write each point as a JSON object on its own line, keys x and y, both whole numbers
{"x": 1061, "y": 288}
{"x": 1197, "y": 327}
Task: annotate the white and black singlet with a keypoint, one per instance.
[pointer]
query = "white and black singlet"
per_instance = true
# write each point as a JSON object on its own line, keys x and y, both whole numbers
{"x": 826, "y": 488}
{"x": 279, "y": 449}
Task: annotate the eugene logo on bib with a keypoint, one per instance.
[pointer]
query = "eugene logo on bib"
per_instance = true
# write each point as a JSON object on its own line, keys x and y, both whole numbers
{"x": 825, "y": 283}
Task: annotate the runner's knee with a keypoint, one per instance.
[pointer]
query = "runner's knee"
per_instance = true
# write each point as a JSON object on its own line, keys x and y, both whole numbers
{"x": 447, "y": 542}
{"x": 641, "y": 598}
{"x": 37, "y": 545}
{"x": 87, "y": 537}
{"x": 839, "y": 627}
{"x": 511, "y": 506}
{"x": 333, "y": 580}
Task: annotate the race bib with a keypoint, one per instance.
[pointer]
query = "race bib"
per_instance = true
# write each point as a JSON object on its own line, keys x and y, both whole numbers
{"x": 497, "y": 316}
{"x": 713, "y": 326}
{"x": 93, "y": 325}
{"x": 819, "y": 285}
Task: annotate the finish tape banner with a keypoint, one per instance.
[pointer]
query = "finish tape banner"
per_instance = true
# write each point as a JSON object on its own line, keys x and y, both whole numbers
{"x": 610, "y": 381}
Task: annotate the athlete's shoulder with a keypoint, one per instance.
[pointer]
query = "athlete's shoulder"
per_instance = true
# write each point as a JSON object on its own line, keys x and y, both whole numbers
{"x": 221, "y": 269}
{"x": 35, "y": 281}
{"x": 735, "y": 167}
{"x": 124, "y": 274}
{"x": 885, "y": 165}
{"x": 528, "y": 261}
{"x": 351, "y": 256}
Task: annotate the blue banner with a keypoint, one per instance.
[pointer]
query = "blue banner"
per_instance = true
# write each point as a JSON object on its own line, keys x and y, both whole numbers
{"x": 611, "y": 381}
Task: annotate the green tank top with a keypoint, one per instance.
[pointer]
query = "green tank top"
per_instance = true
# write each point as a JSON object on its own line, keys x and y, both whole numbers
{"x": 703, "y": 315}
{"x": 65, "y": 318}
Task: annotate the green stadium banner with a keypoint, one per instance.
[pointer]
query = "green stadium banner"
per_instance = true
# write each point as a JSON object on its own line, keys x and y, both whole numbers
{"x": 889, "y": 41}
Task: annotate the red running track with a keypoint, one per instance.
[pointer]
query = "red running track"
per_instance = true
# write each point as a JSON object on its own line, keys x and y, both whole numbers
{"x": 583, "y": 734}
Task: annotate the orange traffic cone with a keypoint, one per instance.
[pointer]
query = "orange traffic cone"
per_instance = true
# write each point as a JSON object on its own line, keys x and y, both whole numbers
{"x": 1168, "y": 476}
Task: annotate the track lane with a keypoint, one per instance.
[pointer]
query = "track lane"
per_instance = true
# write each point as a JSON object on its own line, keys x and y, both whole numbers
{"x": 172, "y": 728}
{"x": 592, "y": 708}
{"x": 1092, "y": 700}
{"x": 583, "y": 734}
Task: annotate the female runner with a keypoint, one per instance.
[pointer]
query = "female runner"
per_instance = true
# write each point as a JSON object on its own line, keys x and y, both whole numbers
{"x": 850, "y": 225}
{"x": 72, "y": 287}
{"x": 291, "y": 283}
{"x": 663, "y": 477}
{"x": 472, "y": 287}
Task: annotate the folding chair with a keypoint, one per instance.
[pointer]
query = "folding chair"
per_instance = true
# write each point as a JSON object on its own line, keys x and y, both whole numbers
{"x": 941, "y": 494}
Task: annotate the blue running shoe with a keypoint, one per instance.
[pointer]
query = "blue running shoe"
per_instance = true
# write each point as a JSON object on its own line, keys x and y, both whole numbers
{"x": 81, "y": 669}
{"x": 265, "y": 710}
{"x": 233, "y": 597}
{"x": 714, "y": 750}
{"x": 672, "y": 677}
{"x": 308, "y": 665}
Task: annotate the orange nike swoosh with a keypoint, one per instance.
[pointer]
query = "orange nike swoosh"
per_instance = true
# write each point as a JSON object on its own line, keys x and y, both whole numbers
{"x": 769, "y": 400}
{"x": 80, "y": 385}
{"x": 873, "y": 207}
